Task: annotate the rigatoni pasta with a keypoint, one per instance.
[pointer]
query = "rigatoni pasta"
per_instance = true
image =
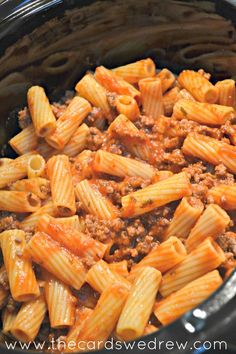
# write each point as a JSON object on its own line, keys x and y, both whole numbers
{"x": 58, "y": 170}
{"x": 155, "y": 195}
{"x": 185, "y": 216}
{"x": 29, "y": 319}
{"x": 203, "y": 259}
{"x": 201, "y": 88}
{"x": 22, "y": 280}
{"x": 175, "y": 305}
{"x": 60, "y": 303}
{"x": 56, "y": 260}
{"x": 41, "y": 112}
{"x": 120, "y": 206}
{"x": 139, "y": 304}
{"x": 212, "y": 222}
{"x": 68, "y": 122}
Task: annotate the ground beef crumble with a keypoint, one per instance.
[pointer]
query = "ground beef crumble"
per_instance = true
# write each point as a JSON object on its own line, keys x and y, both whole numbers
{"x": 8, "y": 221}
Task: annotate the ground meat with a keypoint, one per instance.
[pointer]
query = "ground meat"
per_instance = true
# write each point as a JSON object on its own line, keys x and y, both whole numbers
{"x": 8, "y": 222}
{"x": 130, "y": 239}
{"x": 94, "y": 116}
{"x": 145, "y": 123}
{"x": 24, "y": 118}
{"x": 58, "y": 109}
{"x": 227, "y": 242}
{"x": 111, "y": 98}
{"x": 223, "y": 175}
{"x": 95, "y": 139}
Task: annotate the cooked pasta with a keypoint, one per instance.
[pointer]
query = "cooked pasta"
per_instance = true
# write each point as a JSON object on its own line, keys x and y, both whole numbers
{"x": 156, "y": 195}
{"x": 68, "y": 122}
{"x": 120, "y": 207}
{"x": 29, "y": 319}
{"x": 36, "y": 166}
{"x": 201, "y": 88}
{"x": 41, "y": 112}
{"x": 175, "y": 305}
{"x": 102, "y": 321}
{"x": 22, "y": 280}
{"x": 203, "y": 259}
{"x": 56, "y": 260}
{"x": 58, "y": 170}
{"x": 60, "y": 303}
{"x": 212, "y": 222}
{"x": 139, "y": 304}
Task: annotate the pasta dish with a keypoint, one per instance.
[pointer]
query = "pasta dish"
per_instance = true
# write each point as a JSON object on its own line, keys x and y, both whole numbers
{"x": 117, "y": 214}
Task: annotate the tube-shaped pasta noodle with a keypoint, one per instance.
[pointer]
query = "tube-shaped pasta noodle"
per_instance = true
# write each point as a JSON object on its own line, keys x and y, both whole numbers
{"x": 70, "y": 221}
{"x": 31, "y": 220}
{"x": 185, "y": 217}
{"x": 226, "y": 92}
{"x": 56, "y": 260}
{"x": 163, "y": 257}
{"x": 3, "y": 297}
{"x": 136, "y": 141}
{"x": 39, "y": 186}
{"x": 102, "y": 321}
{"x": 41, "y": 112}
{"x": 4, "y": 161}
{"x": 100, "y": 276}
{"x": 85, "y": 162}
{"x": 156, "y": 195}
{"x": 58, "y": 170}
{"x": 29, "y": 319}
{"x": 202, "y": 147}
{"x": 22, "y": 281}
{"x": 19, "y": 202}
{"x": 203, "y": 259}
{"x": 198, "y": 86}
{"x": 25, "y": 141}
{"x": 15, "y": 170}
{"x": 60, "y": 302}
{"x": 178, "y": 303}
{"x": 78, "y": 141}
{"x": 212, "y": 222}
{"x": 186, "y": 95}
{"x": 227, "y": 155}
{"x": 94, "y": 202}
{"x": 36, "y": 166}
{"x": 114, "y": 83}
{"x": 139, "y": 304}
{"x": 224, "y": 195}
{"x": 203, "y": 113}
{"x": 128, "y": 106}
{"x": 167, "y": 79}
{"x": 92, "y": 91}
{"x": 120, "y": 267}
{"x": 169, "y": 99}
{"x": 68, "y": 122}
{"x": 82, "y": 314}
{"x": 121, "y": 166}
{"x": 72, "y": 239}
{"x": 136, "y": 71}
{"x": 8, "y": 318}
{"x": 151, "y": 95}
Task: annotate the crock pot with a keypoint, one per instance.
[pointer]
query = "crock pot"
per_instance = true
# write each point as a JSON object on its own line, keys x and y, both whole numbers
{"x": 52, "y": 43}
